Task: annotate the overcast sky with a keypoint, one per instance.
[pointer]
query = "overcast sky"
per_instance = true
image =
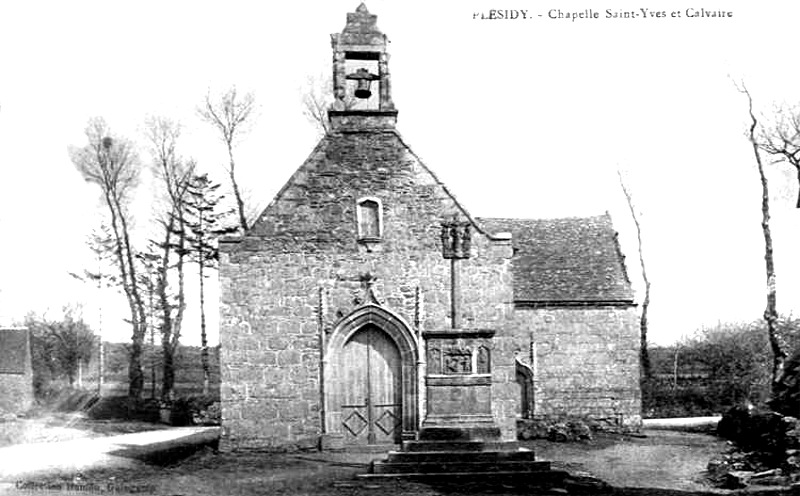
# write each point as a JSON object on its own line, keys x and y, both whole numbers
{"x": 520, "y": 118}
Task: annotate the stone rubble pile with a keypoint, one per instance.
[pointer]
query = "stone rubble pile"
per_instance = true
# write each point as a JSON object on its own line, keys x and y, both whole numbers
{"x": 558, "y": 431}
{"x": 567, "y": 430}
{"x": 764, "y": 450}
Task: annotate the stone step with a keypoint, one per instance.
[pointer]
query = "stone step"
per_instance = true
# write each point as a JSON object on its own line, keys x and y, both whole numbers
{"x": 460, "y": 456}
{"x": 474, "y": 433}
{"x": 489, "y": 479}
{"x": 382, "y": 467}
{"x": 471, "y": 446}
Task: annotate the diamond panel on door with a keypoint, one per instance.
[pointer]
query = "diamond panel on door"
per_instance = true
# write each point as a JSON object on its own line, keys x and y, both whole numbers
{"x": 354, "y": 422}
{"x": 388, "y": 421}
{"x": 371, "y": 388}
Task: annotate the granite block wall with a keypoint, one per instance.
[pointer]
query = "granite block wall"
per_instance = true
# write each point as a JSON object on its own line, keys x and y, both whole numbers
{"x": 585, "y": 361}
{"x": 302, "y": 268}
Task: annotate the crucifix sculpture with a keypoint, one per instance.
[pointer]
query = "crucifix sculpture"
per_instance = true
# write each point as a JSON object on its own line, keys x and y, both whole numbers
{"x": 458, "y": 366}
{"x": 456, "y": 242}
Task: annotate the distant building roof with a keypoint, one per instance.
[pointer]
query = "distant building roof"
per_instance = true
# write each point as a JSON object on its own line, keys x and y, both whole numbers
{"x": 568, "y": 261}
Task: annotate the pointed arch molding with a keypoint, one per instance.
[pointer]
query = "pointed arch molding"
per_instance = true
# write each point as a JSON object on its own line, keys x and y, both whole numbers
{"x": 391, "y": 323}
{"x": 400, "y": 332}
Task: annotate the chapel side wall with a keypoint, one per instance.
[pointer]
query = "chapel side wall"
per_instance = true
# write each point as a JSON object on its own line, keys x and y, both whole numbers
{"x": 17, "y": 388}
{"x": 587, "y": 363}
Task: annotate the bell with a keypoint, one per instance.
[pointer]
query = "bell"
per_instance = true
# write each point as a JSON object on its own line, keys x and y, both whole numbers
{"x": 362, "y": 89}
{"x": 363, "y": 78}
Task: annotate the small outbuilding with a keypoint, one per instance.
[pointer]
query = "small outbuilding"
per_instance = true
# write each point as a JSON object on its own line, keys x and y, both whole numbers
{"x": 16, "y": 372}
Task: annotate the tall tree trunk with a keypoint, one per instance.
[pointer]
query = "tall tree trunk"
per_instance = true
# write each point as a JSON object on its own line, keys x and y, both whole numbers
{"x": 203, "y": 335}
{"x": 643, "y": 328}
{"x": 171, "y": 330}
{"x": 168, "y": 380}
{"x": 770, "y": 313}
{"x": 135, "y": 372}
{"x": 797, "y": 169}
{"x": 168, "y": 373}
{"x": 644, "y": 354}
{"x": 236, "y": 192}
{"x": 125, "y": 261}
{"x": 152, "y": 347}
{"x": 177, "y": 323}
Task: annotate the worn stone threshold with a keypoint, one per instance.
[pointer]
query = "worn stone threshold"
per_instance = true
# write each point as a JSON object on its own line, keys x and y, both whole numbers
{"x": 531, "y": 475}
{"x": 433, "y": 467}
{"x": 368, "y": 448}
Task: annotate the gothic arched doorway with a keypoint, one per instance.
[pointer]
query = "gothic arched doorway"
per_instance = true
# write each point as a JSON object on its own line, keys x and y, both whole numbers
{"x": 371, "y": 378}
{"x": 371, "y": 399}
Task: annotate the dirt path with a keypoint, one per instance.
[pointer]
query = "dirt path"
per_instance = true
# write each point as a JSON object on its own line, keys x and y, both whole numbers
{"x": 121, "y": 451}
{"x": 664, "y": 459}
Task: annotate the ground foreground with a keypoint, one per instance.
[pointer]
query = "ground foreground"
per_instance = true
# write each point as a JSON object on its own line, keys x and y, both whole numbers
{"x": 664, "y": 463}
{"x": 63, "y": 426}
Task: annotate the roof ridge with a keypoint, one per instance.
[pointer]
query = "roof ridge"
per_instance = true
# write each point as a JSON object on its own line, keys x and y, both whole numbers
{"x": 539, "y": 219}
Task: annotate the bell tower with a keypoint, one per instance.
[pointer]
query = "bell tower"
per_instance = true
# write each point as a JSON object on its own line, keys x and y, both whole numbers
{"x": 361, "y": 82}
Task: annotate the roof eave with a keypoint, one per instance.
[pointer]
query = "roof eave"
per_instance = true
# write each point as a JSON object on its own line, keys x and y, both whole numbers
{"x": 572, "y": 303}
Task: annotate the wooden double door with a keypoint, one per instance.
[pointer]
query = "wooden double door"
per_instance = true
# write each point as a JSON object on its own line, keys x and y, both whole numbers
{"x": 371, "y": 396}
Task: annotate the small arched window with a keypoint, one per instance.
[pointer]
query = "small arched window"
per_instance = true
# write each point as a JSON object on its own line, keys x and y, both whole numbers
{"x": 370, "y": 223}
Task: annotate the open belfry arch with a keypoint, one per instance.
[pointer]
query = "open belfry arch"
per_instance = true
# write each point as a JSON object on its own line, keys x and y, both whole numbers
{"x": 361, "y": 66}
{"x": 366, "y": 306}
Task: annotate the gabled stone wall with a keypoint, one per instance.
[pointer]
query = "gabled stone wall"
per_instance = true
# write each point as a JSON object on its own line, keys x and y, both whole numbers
{"x": 302, "y": 269}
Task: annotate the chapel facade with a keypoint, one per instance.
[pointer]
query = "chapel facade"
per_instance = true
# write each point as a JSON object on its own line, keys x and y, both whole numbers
{"x": 366, "y": 304}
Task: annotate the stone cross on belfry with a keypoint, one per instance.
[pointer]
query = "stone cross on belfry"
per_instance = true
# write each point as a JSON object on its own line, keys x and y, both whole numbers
{"x": 456, "y": 243}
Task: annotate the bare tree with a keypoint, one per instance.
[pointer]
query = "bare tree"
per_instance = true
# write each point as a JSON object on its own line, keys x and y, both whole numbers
{"x": 175, "y": 174}
{"x": 782, "y": 141}
{"x": 112, "y": 163}
{"x": 315, "y": 105}
{"x": 317, "y": 99}
{"x": 231, "y": 115}
{"x": 644, "y": 355}
{"x": 755, "y": 135}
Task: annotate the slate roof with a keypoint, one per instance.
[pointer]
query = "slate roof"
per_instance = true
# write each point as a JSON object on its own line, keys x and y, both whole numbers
{"x": 568, "y": 261}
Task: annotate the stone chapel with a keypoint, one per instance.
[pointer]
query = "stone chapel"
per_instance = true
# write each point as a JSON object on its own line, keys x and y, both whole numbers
{"x": 366, "y": 305}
